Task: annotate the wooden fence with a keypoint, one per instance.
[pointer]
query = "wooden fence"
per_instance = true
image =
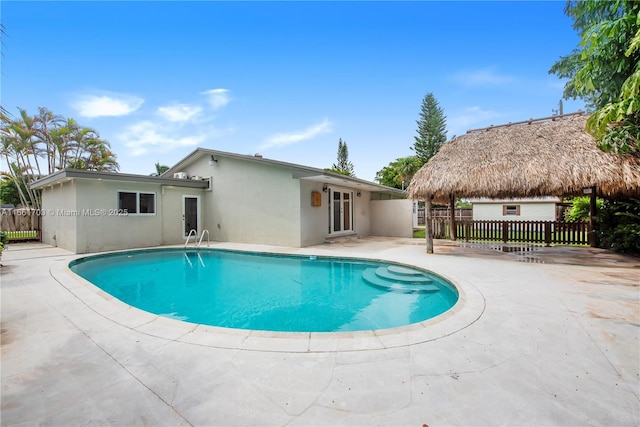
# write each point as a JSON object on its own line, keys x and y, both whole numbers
{"x": 460, "y": 213}
{"x": 21, "y": 224}
{"x": 546, "y": 232}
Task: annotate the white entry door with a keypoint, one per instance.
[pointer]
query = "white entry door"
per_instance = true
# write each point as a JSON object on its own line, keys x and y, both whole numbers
{"x": 340, "y": 211}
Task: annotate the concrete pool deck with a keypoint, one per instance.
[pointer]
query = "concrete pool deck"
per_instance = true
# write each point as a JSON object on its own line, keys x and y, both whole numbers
{"x": 546, "y": 336}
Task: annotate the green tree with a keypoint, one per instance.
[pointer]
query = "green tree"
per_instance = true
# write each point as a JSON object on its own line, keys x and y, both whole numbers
{"x": 9, "y": 191}
{"x": 16, "y": 147}
{"x": 160, "y": 169}
{"x": 431, "y": 129}
{"x": 33, "y": 146}
{"x": 81, "y": 147}
{"x": 399, "y": 173}
{"x": 619, "y": 226}
{"x": 580, "y": 208}
{"x": 604, "y": 70}
{"x": 343, "y": 166}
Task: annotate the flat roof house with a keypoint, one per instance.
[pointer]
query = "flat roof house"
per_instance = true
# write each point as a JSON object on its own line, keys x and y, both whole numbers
{"x": 237, "y": 198}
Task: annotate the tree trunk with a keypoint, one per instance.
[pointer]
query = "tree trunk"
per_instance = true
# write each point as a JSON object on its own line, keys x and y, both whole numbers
{"x": 452, "y": 216}
{"x": 428, "y": 224}
{"x": 593, "y": 236}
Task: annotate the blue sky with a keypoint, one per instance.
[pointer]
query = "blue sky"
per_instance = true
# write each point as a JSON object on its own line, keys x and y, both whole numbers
{"x": 286, "y": 79}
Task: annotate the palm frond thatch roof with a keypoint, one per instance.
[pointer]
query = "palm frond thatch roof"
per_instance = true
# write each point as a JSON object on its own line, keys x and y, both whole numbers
{"x": 537, "y": 158}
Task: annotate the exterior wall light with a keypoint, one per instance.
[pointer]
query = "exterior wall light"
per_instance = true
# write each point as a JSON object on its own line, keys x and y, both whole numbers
{"x": 212, "y": 160}
{"x": 325, "y": 188}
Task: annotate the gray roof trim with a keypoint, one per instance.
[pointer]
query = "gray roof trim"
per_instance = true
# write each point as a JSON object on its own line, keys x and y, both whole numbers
{"x": 299, "y": 171}
{"x": 69, "y": 174}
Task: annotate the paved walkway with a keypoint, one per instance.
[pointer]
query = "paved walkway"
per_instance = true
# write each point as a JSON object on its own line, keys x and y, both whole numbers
{"x": 542, "y": 337}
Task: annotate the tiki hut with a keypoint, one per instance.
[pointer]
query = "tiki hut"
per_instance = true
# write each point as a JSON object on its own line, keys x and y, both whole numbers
{"x": 554, "y": 156}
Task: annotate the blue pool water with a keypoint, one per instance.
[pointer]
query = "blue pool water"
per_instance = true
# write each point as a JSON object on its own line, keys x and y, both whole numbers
{"x": 269, "y": 292}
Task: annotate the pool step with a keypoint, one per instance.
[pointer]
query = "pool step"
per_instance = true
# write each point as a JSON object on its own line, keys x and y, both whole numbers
{"x": 392, "y": 279}
{"x": 406, "y": 271}
{"x": 413, "y": 277}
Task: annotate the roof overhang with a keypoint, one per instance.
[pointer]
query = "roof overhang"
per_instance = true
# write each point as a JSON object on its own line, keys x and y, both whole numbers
{"x": 345, "y": 181}
{"x": 550, "y": 199}
{"x": 71, "y": 174}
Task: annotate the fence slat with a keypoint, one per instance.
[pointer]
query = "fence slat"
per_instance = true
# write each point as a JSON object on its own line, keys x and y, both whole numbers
{"x": 546, "y": 232}
{"x": 21, "y": 224}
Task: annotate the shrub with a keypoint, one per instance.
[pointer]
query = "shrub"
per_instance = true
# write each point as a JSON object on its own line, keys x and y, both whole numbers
{"x": 618, "y": 225}
{"x": 579, "y": 210}
{"x": 4, "y": 238}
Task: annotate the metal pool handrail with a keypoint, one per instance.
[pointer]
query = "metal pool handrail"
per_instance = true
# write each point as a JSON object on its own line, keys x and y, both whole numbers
{"x": 202, "y": 236}
{"x": 195, "y": 234}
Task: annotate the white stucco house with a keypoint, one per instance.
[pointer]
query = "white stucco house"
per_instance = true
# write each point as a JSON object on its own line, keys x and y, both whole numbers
{"x": 532, "y": 209}
{"x": 236, "y": 198}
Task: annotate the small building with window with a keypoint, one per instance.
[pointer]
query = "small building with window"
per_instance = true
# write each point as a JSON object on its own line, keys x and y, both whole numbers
{"x": 531, "y": 209}
{"x": 234, "y": 197}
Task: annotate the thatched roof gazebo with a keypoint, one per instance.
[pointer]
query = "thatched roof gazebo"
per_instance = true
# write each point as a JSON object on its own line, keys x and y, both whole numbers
{"x": 553, "y": 156}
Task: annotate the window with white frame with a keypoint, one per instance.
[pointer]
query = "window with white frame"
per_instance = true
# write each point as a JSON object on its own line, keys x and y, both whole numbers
{"x": 137, "y": 202}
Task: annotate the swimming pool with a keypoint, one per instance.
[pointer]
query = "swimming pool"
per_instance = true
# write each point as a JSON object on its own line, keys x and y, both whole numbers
{"x": 258, "y": 291}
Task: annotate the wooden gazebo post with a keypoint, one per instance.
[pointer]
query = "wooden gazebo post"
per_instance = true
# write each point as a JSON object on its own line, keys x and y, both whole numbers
{"x": 452, "y": 216}
{"x": 593, "y": 238}
{"x": 428, "y": 218}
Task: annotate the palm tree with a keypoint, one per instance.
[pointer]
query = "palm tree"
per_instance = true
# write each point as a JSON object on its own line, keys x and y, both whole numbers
{"x": 160, "y": 169}
{"x": 47, "y": 128}
{"x": 101, "y": 158}
{"x": 18, "y": 147}
{"x": 26, "y": 139}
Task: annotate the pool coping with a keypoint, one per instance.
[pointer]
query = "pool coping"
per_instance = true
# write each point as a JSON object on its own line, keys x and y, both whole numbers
{"x": 467, "y": 310}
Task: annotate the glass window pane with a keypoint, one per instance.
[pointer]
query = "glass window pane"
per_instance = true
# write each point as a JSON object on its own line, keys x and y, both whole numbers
{"x": 511, "y": 210}
{"x": 337, "y": 224}
{"x": 147, "y": 203}
{"x": 127, "y": 202}
{"x": 347, "y": 215}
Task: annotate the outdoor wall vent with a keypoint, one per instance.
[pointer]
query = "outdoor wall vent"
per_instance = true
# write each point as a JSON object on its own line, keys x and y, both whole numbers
{"x": 180, "y": 175}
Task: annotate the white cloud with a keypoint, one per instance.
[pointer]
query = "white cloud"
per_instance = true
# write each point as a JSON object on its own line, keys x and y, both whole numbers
{"x": 111, "y": 104}
{"x": 218, "y": 98}
{"x": 175, "y": 125}
{"x": 146, "y": 135}
{"x": 282, "y": 139}
{"x": 460, "y": 122}
{"x": 179, "y": 112}
{"x": 482, "y": 77}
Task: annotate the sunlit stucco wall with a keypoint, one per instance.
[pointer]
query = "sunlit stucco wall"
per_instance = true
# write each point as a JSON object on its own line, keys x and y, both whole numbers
{"x": 172, "y": 202}
{"x": 250, "y": 202}
{"x": 59, "y": 218}
{"x": 362, "y": 213}
{"x": 314, "y": 220}
{"x": 100, "y": 227}
{"x": 392, "y": 218}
